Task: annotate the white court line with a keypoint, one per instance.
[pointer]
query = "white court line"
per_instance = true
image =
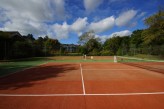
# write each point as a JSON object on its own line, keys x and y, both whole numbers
{"x": 40, "y": 95}
{"x": 82, "y": 78}
{"x": 110, "y": 94}
{"x": 113, "y": 69}
{"x": 126, "y": 94}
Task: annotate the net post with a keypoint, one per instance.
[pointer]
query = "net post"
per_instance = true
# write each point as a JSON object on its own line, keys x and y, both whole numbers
{"x": 85, "y": 56}
{"x": 115, "y": 59}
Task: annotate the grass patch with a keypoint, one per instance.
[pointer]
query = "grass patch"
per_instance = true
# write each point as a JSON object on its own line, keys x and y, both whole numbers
{"x": 17, "y": 65}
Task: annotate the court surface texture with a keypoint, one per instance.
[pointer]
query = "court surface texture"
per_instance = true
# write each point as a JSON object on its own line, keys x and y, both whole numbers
{"x": 83, "y": 86}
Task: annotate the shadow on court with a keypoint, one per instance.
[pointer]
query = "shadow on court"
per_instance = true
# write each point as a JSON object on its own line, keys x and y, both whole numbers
{"x": 30, "y": 77}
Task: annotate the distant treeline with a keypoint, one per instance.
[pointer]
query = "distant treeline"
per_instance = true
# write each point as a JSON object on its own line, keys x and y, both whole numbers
{"x": 13, "y": 46}
{"x": 146, "y": 41}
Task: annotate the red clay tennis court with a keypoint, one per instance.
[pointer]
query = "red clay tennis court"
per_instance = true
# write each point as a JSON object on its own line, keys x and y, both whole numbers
{"x": 83, "y": 86}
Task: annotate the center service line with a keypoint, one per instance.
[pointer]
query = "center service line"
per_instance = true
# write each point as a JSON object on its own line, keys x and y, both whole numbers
{"x": 82, "y": 79}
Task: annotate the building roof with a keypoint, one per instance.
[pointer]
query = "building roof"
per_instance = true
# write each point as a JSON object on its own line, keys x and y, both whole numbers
{"x": 11, "y": 33}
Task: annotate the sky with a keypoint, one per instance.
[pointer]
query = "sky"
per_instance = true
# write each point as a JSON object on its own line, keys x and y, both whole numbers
{"x": 66, "y": 20}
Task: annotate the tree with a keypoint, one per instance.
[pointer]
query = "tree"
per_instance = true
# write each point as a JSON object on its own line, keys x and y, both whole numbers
{"x": 46, "y": 38}
{"x": 82, "y": 49}
{"x": 39, "y": 46}
{"x": 22, "y": 49}
{"x": 85, "y": 37}
{"x": 52, "y": 46}
{"x": 112, "y": 44}
{"x": 154, "y": 35}
{"x": 124, "y": 45}
{"x": 136, "y": 38}
{"x": 93, "y": 46}
{"x": 89, "y": 43}
{"x": 29, "y": 37}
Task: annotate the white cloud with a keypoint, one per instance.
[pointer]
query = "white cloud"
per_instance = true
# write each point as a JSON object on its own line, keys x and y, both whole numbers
{"x": 29, "y": 16}
{"x": 61, "y": 31}
{"x": 37, "y": 10}
{"x": 90, "y": 5}
{"x": 59, "y": 8}
{"x": 125, "y": 17}
{"x": 25, "y": 27}
{"x": 120, "y": 33}
{"x": 79, "y": 25}
{"x": 102, "y": 25}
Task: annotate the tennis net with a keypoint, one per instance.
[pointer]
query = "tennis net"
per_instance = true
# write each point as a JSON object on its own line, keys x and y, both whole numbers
{"x": 152, "y": 65}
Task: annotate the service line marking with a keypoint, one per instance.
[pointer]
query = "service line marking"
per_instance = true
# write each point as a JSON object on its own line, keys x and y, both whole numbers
{"x": 110, "y": 94}
{"x": 82, "y": 78}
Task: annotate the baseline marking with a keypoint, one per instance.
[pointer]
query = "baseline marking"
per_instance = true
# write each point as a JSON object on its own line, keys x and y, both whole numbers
{"x": 40, "y": 95}
{"x": 127, "y": 94}
{"x": 110, "y": 94}
{"x": 82, "y": 78}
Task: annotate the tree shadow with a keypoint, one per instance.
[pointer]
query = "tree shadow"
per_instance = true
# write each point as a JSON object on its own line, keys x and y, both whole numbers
{"x": 29, "y": 77}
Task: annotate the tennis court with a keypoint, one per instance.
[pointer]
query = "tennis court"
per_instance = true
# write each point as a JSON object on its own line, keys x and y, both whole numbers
{"x": 85, "y": 85}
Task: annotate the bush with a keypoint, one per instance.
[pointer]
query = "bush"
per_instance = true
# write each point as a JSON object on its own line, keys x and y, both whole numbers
{"x": 106, "y": 53}
{"x": 94, "y": 52}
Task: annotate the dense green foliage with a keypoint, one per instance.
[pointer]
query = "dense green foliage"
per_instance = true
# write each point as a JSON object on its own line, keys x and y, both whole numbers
{"x": 154, "y": 35}
{"x": 26, "y": 46}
